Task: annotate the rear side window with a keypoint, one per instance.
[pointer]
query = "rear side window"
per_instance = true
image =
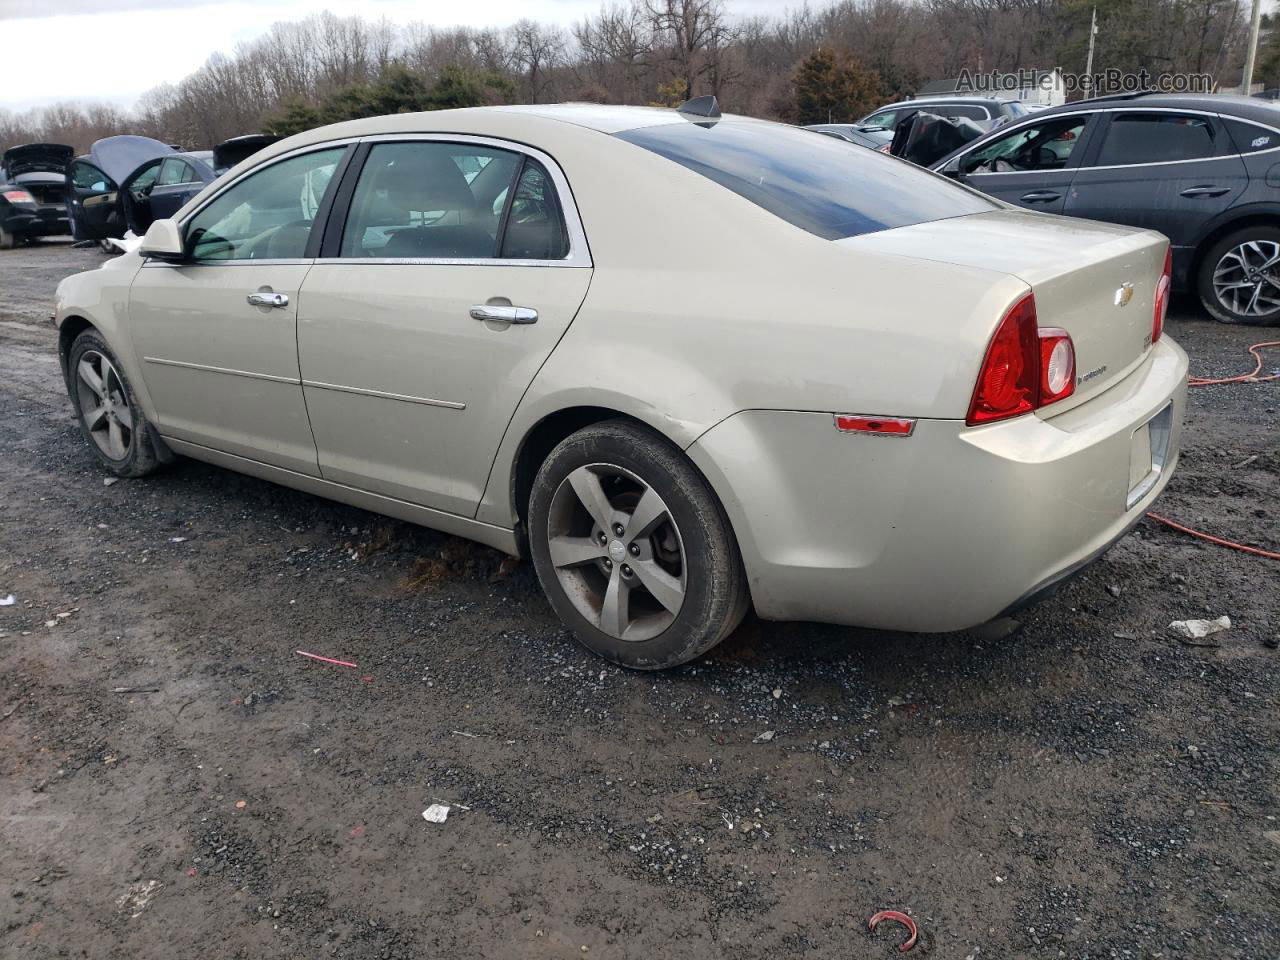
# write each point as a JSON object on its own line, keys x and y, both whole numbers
{"x": 1250, "y": 138}
{"x": 1157, "y": 138}
{"x": 815, "y": 183}
{"x": 967, "y": 111}
{"x": 173, "y": 170}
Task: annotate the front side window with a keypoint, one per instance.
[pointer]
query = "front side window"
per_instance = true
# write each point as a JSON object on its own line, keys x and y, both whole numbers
{"x": 815, "y": 183}
{"x": 89, "y": 178}
{"x": 268, "y": 215}
{"x": 1036, "y": 146}
{"x": 1157, "y": 138}
{"x": 434, "y": 200}
{"x": 884, "y": 118}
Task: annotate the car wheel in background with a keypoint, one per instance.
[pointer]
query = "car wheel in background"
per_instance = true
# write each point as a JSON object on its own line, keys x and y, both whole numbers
{"x": 1239, "y": 277}
{"x": 107, "y": 410}
{"x": 633, "y": 549}
{"x": 7, "y": 240}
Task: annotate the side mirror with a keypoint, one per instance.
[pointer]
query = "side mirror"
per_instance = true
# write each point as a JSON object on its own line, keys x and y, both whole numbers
{"x": 164, "y": 242}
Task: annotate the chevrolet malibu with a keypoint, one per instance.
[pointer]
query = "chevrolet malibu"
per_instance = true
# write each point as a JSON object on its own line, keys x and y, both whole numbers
{"x": 691, "y": 364}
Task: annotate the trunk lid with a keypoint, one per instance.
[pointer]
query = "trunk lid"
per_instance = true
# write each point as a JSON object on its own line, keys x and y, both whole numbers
{"x": 1097, "y": 281}
{"x": 33, "y": 157}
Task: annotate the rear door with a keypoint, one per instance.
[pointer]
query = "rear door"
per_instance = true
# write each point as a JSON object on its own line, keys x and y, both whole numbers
{"x": 461, "y": 265}
{"x": 1032, "y": 165}
{"x": 1163, "y": 169}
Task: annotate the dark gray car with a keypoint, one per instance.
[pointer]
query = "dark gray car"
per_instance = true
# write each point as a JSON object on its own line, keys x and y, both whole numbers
{"x": 873, "y": 138}
{"x": 1200, "y": 169}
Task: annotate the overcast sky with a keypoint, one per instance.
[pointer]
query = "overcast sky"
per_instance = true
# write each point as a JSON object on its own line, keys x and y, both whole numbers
{"x": 113, "y": 50}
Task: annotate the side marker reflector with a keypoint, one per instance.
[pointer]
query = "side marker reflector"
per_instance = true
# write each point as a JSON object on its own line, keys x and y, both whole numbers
{"x": 876, "y": 426}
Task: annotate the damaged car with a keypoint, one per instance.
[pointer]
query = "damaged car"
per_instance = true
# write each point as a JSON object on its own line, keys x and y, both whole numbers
{"x": 126, "y": 182}
{"x": 32, "y": 200}
{"x": 822, "y": 383}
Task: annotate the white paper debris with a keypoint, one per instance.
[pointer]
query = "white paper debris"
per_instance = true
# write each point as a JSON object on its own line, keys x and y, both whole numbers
{"x": 764, "y": 737}
{"x": 436, "y": 813}
{"x": 8, "y": 601}
{"x": 1198, "y": 629}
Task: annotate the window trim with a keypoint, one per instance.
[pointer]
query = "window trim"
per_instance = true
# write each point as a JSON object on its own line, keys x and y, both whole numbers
{"x": 579, "y": 254}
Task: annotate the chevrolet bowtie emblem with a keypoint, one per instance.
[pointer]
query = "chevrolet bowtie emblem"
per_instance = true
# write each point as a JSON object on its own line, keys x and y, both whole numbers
{"x": 1124, "y": 294}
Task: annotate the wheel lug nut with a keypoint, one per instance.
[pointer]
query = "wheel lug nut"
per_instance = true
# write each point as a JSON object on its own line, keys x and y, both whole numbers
{"x": 635, "y": 549}
{"x": 617, "y": 529}
{"x": 603, "y": 538}
{"x": 608, "y": 563}
{"x": 626, "y": 570}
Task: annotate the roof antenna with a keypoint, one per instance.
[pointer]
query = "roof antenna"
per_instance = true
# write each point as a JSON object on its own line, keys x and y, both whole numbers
{"x": 701, "y": 107}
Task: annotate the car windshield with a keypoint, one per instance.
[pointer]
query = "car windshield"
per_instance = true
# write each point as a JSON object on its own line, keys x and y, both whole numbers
{"x": 815, "y": 183}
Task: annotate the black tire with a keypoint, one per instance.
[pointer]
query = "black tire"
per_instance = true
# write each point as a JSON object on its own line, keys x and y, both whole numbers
{"x": 140, "y": 456}
{"x": 715, "y": 594}
{"x": 1223, "y": 311}
{"x": 8, "y": 240}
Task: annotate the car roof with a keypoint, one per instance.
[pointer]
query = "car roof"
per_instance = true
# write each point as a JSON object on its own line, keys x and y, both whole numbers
{"x": 947, "y": 98}
{"x": 1251, "y": 108}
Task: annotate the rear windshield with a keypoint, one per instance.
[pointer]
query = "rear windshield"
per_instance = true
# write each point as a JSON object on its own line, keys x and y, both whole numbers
{"x": 827, "y": 187}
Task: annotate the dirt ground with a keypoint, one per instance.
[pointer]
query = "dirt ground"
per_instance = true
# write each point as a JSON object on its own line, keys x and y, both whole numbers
{"x": 175, "y": 781}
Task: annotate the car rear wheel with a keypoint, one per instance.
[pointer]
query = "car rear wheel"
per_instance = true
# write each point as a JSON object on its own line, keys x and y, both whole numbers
{"x": 107, "y": 410}
{"x": 8, "y": 239}
{"x": 1239, "y": 278}
{"x": 633, "y": 549}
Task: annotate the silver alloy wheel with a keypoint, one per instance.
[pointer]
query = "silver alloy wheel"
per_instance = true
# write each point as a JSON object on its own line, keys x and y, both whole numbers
{"x": 104, "y": 405}
{"x": 1246, "y": 280}
{"x": 617, "y": 551}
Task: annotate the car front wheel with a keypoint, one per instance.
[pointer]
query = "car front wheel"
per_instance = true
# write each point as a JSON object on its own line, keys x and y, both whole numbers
{"x": 106, "y": 408}
{"x": 633, "y": 549}
{"x": 1239, "y": 277}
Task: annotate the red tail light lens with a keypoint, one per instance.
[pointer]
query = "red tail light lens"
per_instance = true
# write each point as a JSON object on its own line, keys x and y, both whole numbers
{"x": 1024, "y": 369}
{"x": 19, "y": 196}
{"x": 1009, "y": 381}
{"x": 1057, "y": 365}
{"x": 1162, "y": 296}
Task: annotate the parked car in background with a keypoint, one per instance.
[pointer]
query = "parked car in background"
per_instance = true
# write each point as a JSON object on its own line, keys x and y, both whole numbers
{"x": 126, "y": 182}
{"x": 32, "y": 192}
{"x": 1200, "y": 169}
{"x": 873, "y": 138}
{"x": 496, "y": 323}
{"x": 986, "y": 112}
{"x": 230, "y": 152}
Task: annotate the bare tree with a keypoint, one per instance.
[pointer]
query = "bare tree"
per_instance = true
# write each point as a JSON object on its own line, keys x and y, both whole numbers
{"x": 536, "y": 50}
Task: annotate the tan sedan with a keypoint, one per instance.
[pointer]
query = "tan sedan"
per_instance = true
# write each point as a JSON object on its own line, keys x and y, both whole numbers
{"x": 691, "y": 364}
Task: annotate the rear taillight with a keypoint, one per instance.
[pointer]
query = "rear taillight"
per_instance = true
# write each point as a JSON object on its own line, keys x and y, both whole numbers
{"x": 1057, "y": 365}
{"x": 1162, "y": 296}
{"x": 1024, "y": 369}
{"x": 19, "y": 196}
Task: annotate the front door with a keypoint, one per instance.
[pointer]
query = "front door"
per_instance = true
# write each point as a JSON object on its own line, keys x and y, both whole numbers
{"x": 217, "y": 335}
{"x": 92, "y": 202}
{"x": 460, "y": 267}
{"x": 1032, "y": 165}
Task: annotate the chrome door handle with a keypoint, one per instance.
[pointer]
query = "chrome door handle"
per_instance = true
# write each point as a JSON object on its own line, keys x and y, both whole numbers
{"x": 486, "y": 311}
{"x": 268, "y": 299}
{"x": 1044, "y": 196}
{"x": 1206, "y": 191}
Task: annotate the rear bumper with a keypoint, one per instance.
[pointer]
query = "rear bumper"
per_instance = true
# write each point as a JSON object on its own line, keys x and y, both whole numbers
{"x": 946, "y": 528}
{"x": 44, "y": 221}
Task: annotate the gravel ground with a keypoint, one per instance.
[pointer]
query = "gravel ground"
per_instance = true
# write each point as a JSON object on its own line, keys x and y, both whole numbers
{"x": 176, "y": 782}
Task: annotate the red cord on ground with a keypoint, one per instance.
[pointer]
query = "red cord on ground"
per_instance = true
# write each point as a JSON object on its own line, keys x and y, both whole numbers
{"x": 1250, "y": 377}
{"x": 1212, "y": 539}
{"x": 901, "y": 918}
